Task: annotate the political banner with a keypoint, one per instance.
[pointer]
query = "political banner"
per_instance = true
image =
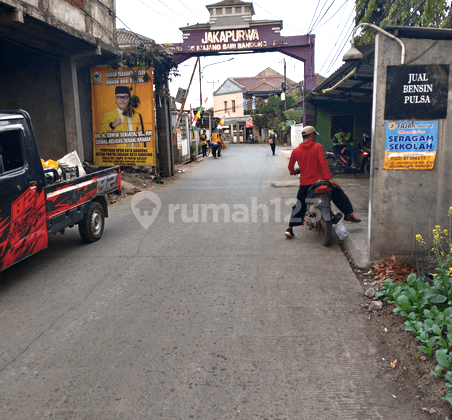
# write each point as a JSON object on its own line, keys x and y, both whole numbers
{"x": 123, "y": 117}
{"x": 410, "y": 145}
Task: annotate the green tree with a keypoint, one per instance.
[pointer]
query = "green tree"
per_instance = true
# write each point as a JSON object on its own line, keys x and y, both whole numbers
{"x": 271, "y": 114}
{"x": 424, "y": 13}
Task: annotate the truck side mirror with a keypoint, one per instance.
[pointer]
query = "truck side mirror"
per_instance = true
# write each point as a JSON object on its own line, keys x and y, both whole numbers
{"x": 2, "y": 167}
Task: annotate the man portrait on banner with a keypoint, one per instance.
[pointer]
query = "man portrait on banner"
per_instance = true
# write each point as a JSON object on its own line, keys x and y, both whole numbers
{"x": 124, "y": 117}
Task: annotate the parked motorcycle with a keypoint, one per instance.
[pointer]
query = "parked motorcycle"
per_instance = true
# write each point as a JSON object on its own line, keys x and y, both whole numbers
{"x": 344, "y": 164}
{"x": 251, "y": 139}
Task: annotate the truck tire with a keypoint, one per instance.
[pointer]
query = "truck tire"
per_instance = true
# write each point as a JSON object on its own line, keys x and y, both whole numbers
{"x": 92, "y": 225}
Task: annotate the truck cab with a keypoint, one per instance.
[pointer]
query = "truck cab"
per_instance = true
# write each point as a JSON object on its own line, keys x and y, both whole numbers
{"x": 30, "y": 207}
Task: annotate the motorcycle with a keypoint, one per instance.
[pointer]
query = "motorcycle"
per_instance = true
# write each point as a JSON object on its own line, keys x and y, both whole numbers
{"x": 319, "y": 214}
{"x": 251, "y": 139}
{"x": 344, "y": 164}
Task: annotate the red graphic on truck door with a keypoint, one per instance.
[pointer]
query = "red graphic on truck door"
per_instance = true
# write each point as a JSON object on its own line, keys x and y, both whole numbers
{"x": 24, "y": 232}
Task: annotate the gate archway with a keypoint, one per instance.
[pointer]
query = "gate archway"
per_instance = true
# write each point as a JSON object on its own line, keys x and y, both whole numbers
{"x": 232, "y": 30}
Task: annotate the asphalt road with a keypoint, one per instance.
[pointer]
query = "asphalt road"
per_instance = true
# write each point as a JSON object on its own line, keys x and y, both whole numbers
{"x": 193, "y": 318}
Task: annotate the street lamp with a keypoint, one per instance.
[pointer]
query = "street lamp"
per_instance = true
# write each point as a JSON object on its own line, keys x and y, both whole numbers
{"x": 200, "y": 76}
{"x": 355, "y": 54}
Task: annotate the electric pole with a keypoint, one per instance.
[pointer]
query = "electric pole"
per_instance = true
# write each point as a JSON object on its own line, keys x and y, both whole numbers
{"x": 285, "y": 86}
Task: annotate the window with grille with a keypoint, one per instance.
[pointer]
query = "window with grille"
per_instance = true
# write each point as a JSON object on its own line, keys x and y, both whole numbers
{"x": 229, "y": 10}
{"x": 219, "y": 11}
{"x": 225, "y": 106}
{"x": 341, "y": 121}
{"x": 233, "y": 106}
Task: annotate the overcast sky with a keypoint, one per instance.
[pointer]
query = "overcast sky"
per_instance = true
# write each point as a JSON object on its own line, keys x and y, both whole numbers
{"x": 329, "y": 20}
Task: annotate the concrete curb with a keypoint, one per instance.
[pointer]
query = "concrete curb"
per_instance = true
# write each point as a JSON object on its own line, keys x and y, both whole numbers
{"x": 356, "y": 251}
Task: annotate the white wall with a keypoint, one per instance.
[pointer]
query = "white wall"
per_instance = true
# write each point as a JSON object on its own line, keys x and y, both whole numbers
{"x": 295, "y": 135}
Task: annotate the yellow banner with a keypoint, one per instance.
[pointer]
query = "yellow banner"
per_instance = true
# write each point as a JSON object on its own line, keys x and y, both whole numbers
{"x": 409, "y": 162}
{"x": 123, "y": 117}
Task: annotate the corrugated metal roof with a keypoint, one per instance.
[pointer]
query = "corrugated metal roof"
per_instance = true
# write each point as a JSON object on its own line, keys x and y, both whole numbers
{"x": 358, "y": 87}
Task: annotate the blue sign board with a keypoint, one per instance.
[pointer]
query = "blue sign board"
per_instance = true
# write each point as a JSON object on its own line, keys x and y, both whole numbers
{"x": 410, "y": 145}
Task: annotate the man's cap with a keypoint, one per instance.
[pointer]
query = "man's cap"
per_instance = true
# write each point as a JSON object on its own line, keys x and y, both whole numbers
{"x": 122, "y": 89}
{"x": 309, "y": 129}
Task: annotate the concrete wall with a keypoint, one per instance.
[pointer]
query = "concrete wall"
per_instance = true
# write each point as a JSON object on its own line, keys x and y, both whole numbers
{"x": 66, "y": 16}
{"x": 404, "y": 203}
{"x": 31, "y": 81}
{"x": 40, "y": 76}
{"x": 86, "y": 113}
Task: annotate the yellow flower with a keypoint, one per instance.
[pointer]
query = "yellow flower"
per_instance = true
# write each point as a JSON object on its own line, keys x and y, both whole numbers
{"x": 435, "y": 275}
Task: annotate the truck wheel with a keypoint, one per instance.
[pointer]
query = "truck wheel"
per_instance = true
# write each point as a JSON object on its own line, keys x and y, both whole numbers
{"x": 92, "y": 225}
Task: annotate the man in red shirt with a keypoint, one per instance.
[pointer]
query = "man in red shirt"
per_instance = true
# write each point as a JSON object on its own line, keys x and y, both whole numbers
{"x": 313, "y": 167}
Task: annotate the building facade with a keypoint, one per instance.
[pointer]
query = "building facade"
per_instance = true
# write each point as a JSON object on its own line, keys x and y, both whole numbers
{"x": 47, "y": 50}
{"x": 239, "y": 96}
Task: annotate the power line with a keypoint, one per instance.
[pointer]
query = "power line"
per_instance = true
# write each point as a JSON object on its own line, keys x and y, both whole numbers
{"x": 188, "y": 9}
{"x": 400, "y": 11}
{"x": 420, "y": 5}
{"x": 343, "y": 46}
{"x": 335, "y": 13}
{"x": 171, "y": 9}
{"x": 384, "y": 12}
{"x": 107, "y": 31}
{"x": 161, "y": 14}
{"x": 333, "y": 48}
{"x": 277, "y": 17}
{"x": 318, "y": 17}
{"x": 312, "y": 20}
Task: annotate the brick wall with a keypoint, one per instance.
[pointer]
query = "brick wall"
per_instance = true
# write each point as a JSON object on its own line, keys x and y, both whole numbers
{"x": 76, "y": 3}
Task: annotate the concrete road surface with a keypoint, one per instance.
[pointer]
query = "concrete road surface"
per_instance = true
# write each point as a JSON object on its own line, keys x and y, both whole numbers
{"x": 209, "y": 313}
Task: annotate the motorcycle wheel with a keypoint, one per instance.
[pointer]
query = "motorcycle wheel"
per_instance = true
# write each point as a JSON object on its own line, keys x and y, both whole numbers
{"x": 330, "y": 160}
{"x": 326, "y": 232}
{"x": 334, "y": 166}
{"x": 366, "y": 167}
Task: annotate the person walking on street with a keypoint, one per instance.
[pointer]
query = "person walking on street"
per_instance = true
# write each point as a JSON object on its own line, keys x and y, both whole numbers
{"x": 214, "y": 147}
{"x": 203, "y": 140}
{"x": 272, "y": 141}
{"x": 216, "y": 138}
{"x": 344, "y": 139}
{"x": 313, "y": 167}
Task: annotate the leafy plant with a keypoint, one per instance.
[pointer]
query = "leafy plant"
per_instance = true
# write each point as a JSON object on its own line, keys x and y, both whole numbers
{"x": 153, "y": 55}
{"x": 270, "y": 114}
{"x": 430, "y": 13}
{"x": 427, "y": 306}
